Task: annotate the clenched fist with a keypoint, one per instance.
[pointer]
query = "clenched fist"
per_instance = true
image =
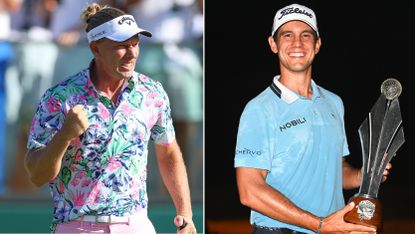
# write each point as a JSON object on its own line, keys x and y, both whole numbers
{"x": 76, "y": 122}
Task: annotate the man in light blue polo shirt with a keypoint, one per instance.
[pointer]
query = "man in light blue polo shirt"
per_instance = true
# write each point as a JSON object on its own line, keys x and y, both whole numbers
{"x": 291, "y": 141}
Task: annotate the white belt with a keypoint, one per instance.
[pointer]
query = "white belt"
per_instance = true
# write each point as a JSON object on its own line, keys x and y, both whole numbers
{"x": 112, "y": 218}
{"x": 104, "y": 219}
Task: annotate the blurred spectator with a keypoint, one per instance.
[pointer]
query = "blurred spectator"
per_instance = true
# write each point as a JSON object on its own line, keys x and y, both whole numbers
{"x": 27, "y": 78}
{"x": 68, "y": 30}
{"x": 68, "y": 33}
{"x": 31, "y": 36}
{"x": 32, "y": 21}
{"x": 176, "y": 61}
{"x": 6, "y": 7}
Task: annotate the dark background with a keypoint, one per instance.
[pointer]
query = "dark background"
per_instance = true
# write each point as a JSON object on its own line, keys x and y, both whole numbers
{"x": 362, "y": 45}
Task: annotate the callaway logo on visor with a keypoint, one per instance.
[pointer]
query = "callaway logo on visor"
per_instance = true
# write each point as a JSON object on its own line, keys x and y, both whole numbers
{"x": 127, "y": 20}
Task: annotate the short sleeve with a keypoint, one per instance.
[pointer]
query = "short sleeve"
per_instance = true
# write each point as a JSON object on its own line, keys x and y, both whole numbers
{"x": 340, "y": 109}
{"x": 253, "y": 148}
{"x": 48, "y": 119}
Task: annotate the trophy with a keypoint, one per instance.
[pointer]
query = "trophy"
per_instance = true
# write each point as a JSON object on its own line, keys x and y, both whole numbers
{"x": 381, "y": 135}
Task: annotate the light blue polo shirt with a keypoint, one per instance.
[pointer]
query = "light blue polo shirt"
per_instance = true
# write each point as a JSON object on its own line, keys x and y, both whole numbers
{"x": 300, "y": 142}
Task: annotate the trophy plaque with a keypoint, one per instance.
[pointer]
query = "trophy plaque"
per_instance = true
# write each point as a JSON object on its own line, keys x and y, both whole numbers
{"x": 381, "y": 135}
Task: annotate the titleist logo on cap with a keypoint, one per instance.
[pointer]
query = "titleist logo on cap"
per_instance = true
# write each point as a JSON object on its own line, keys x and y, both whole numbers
{"x": 126, "y": 19}
{"x": 292, "y": 10}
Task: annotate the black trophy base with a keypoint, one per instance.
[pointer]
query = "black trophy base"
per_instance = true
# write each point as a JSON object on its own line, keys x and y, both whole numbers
{"x": 367, "y": 211}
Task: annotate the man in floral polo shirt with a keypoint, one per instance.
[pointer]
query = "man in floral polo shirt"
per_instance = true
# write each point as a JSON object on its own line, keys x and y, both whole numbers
{"x": 90, "y": 134}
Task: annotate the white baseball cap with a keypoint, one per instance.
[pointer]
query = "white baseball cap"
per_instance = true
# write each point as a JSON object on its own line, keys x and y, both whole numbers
{"x": 294, "y": 12}
{"x": 118, "y": 29}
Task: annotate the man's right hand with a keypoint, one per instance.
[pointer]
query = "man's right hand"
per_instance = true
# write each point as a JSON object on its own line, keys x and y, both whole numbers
{"x": 335, "y": 223}
{"x": 76, "y": 122}
{"x": 44, "y": 164}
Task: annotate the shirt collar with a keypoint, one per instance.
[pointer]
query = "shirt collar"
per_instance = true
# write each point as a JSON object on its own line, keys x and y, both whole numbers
{"x": 287, "y": 94}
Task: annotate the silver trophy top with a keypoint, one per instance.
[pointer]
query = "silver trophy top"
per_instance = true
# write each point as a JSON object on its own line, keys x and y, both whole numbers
{"x": 391, "y": 88}
{"x": 381, "y": 135}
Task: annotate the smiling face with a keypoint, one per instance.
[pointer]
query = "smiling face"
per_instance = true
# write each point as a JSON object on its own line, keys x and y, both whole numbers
{"x": 296, "y": 45}
{"x": 116, "y": 60}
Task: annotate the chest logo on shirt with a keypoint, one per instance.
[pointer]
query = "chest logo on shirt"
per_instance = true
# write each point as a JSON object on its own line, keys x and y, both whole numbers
{"x": 292, "y": 123}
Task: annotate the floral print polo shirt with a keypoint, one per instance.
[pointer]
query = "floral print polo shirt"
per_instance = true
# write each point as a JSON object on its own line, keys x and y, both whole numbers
{"x": 104, "y": 170}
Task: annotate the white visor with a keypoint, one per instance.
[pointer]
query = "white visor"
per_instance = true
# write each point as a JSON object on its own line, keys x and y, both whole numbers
{"x": 119, "y": 29}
